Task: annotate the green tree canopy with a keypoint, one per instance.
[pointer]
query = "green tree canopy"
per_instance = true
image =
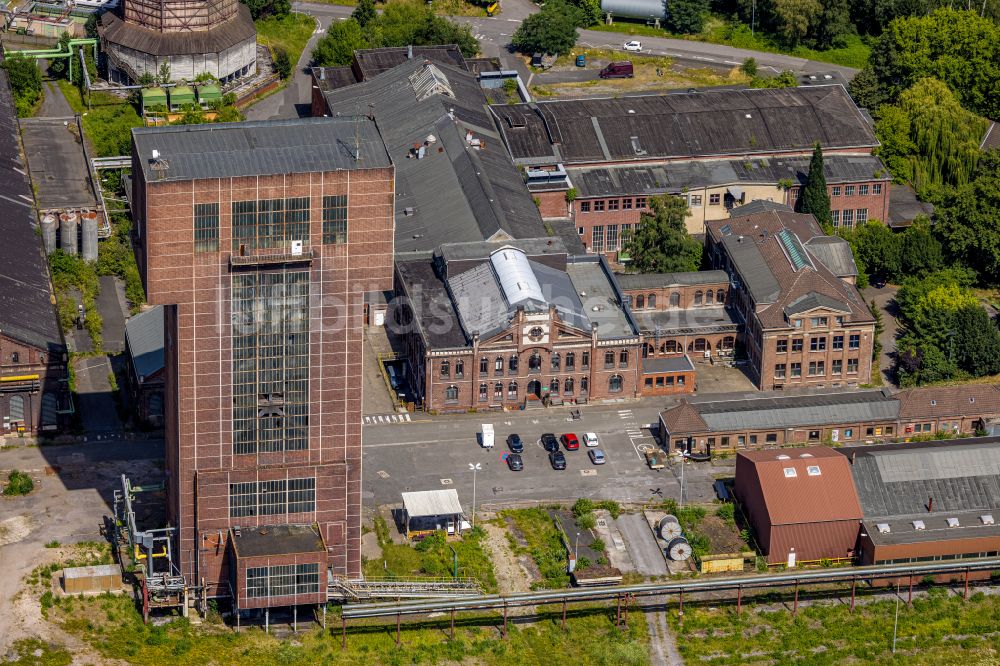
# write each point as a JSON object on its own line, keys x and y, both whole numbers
{"x": 815, "y": 198}
{"x": 337, "y": 46}
{"x": 25, "y": 82}
{"x": 662, "y": 243}
{"x": 687, "y": 16}
{"x": 364, "y": 12}
{"x": 552, "y": 30}
{"x": 878, "y": 249}
{"x": 264, "y": 8}
{"x": 969, "y": 223}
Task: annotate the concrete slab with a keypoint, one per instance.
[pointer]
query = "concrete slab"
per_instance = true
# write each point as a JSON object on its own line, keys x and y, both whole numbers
{"x": 110, "y": 307}
{"x": 642, "y": 546}
{"x": 59, "y": 171}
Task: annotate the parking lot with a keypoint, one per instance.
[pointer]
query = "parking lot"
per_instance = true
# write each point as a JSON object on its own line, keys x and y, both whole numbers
{"x": 437, "y": 453}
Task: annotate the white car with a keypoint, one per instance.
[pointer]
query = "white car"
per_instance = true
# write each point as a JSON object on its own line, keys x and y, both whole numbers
{"x": 590, "y": 439}
{"x": 633, "y": 46}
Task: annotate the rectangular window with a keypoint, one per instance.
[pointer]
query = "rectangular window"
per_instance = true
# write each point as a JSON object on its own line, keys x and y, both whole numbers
{"x": 696, "y": 200}
{"x": 779, "y": 371}
{"x": 771, "y": 438}
{"x": 796, "y": 369}
{"x": 848, "y": 433}
{"x": 242, "y": 499}
{"x": 838, "y": 342}
{"x": 659, "y": 382}
{"x": 838, "y": 366}
{"x": 753, "y": 439}
{"x": 797, "y": 344}
{"x": 649, "y": 382}
{"x": 613, "y": 237}
{"x": 335, "y": 219}
{"x": 579, "y": 231}
{"x": 627, "y": 204}
{"x": 813, "y": 436}
{"x": 301, "y": 495}
{"x": 835, "y": 191}
{"x": 817, "y": 368}
{"x": 271, "y": 498}
{"x": 847, "y": 219}
{"x": 817, "y": 344}
{"x": 861, "y": 216}
{"x": 835, "y": 216}
{"x": 855, "y": 341}
{"x": 640, "y": 202}
{"x": 206, "y": 227}
{"x": 282, "y": 581}
{"x": 781, "y": 346}
{"x": 585, "y": 360}
{"x": 626, "y": 234}
{"x": 852, "y": 366}
{"x": 270, "y": 366}
{"x": 270, "y": 223}
{"x": 598, "y": 206}
{"x": 597, "y": 236}
{"x": 848, "y": 190}
{"x": 877, "y": 188}
{"x": 818, "y": 322}
{"x": 863, "y": 190}
{"x": 612, "y": 204}
{"x": 584, "y": 206}
{"x": 714, "y": 199}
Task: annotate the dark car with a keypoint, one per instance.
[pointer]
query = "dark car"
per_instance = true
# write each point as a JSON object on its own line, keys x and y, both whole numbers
{"x": 557, "y": 459}
{"x": 514, "y": 443}
{"x": 549, "y": 442}
{"x": 515, "y": 463}
{"x": 570, "y": 441}
{"x": 617, "y": 70}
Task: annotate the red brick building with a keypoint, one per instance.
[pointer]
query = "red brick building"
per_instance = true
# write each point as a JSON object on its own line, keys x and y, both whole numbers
{"x": 806, "y": 324}
{"x": 498, "y": 325}
{"x": 260, "y": 240}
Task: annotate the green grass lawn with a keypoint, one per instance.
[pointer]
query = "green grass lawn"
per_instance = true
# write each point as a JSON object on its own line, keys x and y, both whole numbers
{"x": 291, "y": 33}
{"x": 939, "y": 629}
{"x": 718, "y": 31}
{"x": 108, "y": 123}
{"x": 441, "y": 7}
{"x": 433, "y": 557}
{"x": 113, "y": 627}
{"x": 544, "y": 544}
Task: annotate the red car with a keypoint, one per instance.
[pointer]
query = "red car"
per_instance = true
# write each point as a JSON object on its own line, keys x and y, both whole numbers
{"x": 570, "y": 441}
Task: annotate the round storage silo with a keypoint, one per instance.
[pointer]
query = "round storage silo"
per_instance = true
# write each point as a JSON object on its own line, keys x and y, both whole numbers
{"x": 68, "y": 233}
{"x": 50, "y": 227}
{"x": 651, "y": 9}
{"x": 88, "y": 235}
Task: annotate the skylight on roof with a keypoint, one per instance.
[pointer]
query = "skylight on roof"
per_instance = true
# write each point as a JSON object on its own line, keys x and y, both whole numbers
{"x": 783, "y": 456}
{"x": 883, "y": 528}
{"x": 430, "y": 81}
{"x": 813, "y": 470}
{"x": 919, "y": 525}
{"x": 987, "y": 518}
{"x": 953, "y": 522}
{"x": 792, "y": 246}
{"x": 790, "y": 472}
{"x": 805, "y": 455}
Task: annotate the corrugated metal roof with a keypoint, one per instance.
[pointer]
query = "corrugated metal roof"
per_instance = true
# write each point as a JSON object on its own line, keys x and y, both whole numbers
{"x": 835, "y": 253}
{"x": 659, "y": 280}
{"x": 432, "y": 503}
{"x": 221, "y": 36}
{"x": 667, "y": 364}
{"x": 144, "y": 336}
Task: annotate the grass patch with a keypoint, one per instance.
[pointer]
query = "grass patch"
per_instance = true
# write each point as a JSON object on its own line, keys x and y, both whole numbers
{"x": 440, "y": 7}
{"x": 108, "y": 123}
{"x": 433, "y": 557}
{"x": 290, "y": 33}
{"x": 18, "y": 483}
{"x": 36, "y": 652}
{"x": 543, "y": 544}
{"x": 938, "y": 629}
{"x": 112, "y": 626}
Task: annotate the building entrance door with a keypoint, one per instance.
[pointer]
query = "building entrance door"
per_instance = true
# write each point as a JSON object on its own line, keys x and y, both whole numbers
{"x": 535, "y": 388}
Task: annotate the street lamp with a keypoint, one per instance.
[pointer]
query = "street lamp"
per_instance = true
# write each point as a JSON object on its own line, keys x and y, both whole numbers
{"x": 475, "y": 467}
{"x": 576, "y": 550}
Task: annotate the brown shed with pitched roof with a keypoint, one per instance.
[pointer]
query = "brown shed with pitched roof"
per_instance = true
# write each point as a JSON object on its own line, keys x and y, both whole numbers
{"x": 800, "y": 502}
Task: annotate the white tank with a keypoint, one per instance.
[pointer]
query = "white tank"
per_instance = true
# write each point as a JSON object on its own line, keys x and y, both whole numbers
{"x": 50, "y": 228}
{"x": 68, "y": 233}
{"x": 656, "y": 9}
{"x": 88, "y": 235}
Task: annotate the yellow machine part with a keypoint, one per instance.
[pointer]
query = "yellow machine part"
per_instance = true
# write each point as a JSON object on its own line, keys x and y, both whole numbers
{"x": 493, "y": 8}
{"x": 139, "y": 555}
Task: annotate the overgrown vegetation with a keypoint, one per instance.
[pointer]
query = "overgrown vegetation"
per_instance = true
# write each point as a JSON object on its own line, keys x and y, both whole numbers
{"x": 286, "y": 36}
{"x": 544, "y": 544}
{"x": 940, "y": 628}
{"x": 433, "y": 557}
{"x": 25, "y": 82}
{"x": 36, "y": 652}
{"x": 108, "y": 123}
{"x": 18, "y": 483}
{"x": 662, "y": 243}
{"x": 116, "y": 257}
{"x": 70, "y": 273}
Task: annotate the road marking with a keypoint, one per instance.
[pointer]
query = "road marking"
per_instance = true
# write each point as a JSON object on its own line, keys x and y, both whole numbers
{"x": 417, "y": 443}
{"x": 445, "y": 482}
{"x": 513, "y": 20}
{"x": 588, "y": 472}
{"x": 731, "y": 62}
{"x": 382, "y": 474}
{"x": 644, "y": 448}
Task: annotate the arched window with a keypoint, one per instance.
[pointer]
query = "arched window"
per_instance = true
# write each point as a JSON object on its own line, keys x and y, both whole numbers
{"x": 609, "y": 359}
{"x": 670, "y": 347}
{"x": 709, "y": 297}
{"x": 697, "y": 297}
{"x": 651, "y": 301}
{"x": 459, "y": 368}
{"x": 640, "y": 302}
{"x": 584, "y": 385}
{"x": 720, "y": 297}
{"x": 568, "y": 386}
{"x": 623, "y": 358}
{"x": 556, "y": 361}
{"x": 512, "y": 391}
{"x": 512, "y": 363}
{"x": 699, "y": 344}
{"x": 554, "y": 387}
{"x": 451, "y": 393}
{"x": 484, "y": 365}
{"x": 615, "y": 384}
{"x": 483, "y": 392}
{"x": 648, "y": 350}
{"x": 570, "y": 360}
{"x": 498, "y": 391}
{"x": 445, "y": 368}
{"x": 535, "y": 362}
{"x": 498, "y": 365}
{"x": 675, "y": 299}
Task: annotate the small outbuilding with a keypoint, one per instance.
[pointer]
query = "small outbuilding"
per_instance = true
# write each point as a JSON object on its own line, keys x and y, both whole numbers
{"x": 429, "y": 511}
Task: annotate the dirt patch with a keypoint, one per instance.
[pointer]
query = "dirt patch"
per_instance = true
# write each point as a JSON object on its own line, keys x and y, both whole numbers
{"x": 14, "y": 529}
{"x": 510, "y": 571}
{"x": 722, "y": 537}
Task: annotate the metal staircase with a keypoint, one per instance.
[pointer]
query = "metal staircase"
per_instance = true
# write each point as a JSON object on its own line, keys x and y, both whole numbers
{"x": 347, "y": 589}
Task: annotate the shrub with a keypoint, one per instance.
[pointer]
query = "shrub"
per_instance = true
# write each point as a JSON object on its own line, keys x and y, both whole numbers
{"x": 598, "y": 545}
{"x": 611, "y": 506}
{"x": 430, "y": 542}
{"x": 53, "y": 544}
{"x": 582, "y": 506}
{"x": 18, "y": 483}
{"x": 587, "y": 521}
{"x": 727, "y": 512}
{"x": 582, "y": 563}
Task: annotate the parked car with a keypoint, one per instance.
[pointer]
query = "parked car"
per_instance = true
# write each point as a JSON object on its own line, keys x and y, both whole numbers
{"x": 597, "y": 456}
{"x": 536, "y": 60}
{"x": 634, "y": 45}
{"x": 590, "y": 439}
{"x": 570, "y": 441}
{"x": 617, "y": 70}
{"x": 581, "y": 60}
{"x": 514, "y": 443}
{"x": 549, "y": 442}
{"x": 514, "y": 462}
{"x": 557, "y": 459}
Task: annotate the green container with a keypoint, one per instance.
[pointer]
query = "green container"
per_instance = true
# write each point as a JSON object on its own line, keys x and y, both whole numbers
{"x": 154, "y": 97}
{"x": 208, "y": 93}
{"x": 180, "y": 97}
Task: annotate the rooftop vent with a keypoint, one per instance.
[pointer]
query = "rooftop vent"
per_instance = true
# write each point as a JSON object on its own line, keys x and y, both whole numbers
{"x": 953, "y": 522}
{"x": 883, "y": 528}
{"x": 749, "y": 116}
{"x": 637, "y": 146}
{"x": 987, "y": 518}
{"x": 631, "y": 110}
{"x": 813, "y": 470}
{"x": 790, "y": 472}
{"x": 783, "y": 457}
{"x": 408, "y": 211}
{"x": 805, "y": 455}
{"x": 919, "y": 525}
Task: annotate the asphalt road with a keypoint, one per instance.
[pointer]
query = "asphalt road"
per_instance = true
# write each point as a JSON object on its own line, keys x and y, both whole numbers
{"x": 642, "y": 547}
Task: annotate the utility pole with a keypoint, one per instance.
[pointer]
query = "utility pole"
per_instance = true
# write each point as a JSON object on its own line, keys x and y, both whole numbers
{"x": 895, "y": 624}
{"x": 475, "y": 467}
{"x": 753, "y": 15}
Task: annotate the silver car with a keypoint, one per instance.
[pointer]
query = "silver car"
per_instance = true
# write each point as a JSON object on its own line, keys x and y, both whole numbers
{"x": 597, "y": 456}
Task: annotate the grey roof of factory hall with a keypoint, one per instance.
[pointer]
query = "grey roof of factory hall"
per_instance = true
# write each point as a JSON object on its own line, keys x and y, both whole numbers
{"x": 239, "y": 28}
{"x": 629, "y": 281}
{"x": 687, "y": 321}
{"x": 277, "y": 540}
{"x": 667, "y": 364}
{"x": 772, "y": 411}
{"x": 144, "y": 335}
{"x": 679, "y": 125}
{"x": 459, "y": 191}
{"x": 264, "y": 148}
{"x": 896, "y": 482}
{"x": 835, "y": 253}
{"x": 674, "y": 177}
{"x": 27, "y": 313}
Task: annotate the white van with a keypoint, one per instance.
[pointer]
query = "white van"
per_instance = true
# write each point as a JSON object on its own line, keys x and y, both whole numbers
{"x": 487, "y": 436}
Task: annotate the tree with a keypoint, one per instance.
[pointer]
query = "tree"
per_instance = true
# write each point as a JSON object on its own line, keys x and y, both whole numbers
{"x": 834, "y": 24}
{"x": 25, "y": 82}
{"x": 793, "y": 18}
{"x": 879, "y": 329}
{"x": 164, "y": 76}
{"x": 687, "y": 16}
{"x": 921, "y": 252}
{"x": 866, "y": 91}
{"x": 662, "y": 243}
{"x": 975, "y": 345}
{"x": 784, "y": 80}
{"x": 438, "y": 30}
{"x": 364, "y": 12}
{"x": 590, "y": 12}
{"x": 336, "y": 48}
{"x": 552, "y": 30}
{"x": 815, "y": 198}
{"x": 879, "y": 250}
{"x": 264, "y": 8}
{"x": 282, "y": 63}
{"x": 968, "y": 224}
